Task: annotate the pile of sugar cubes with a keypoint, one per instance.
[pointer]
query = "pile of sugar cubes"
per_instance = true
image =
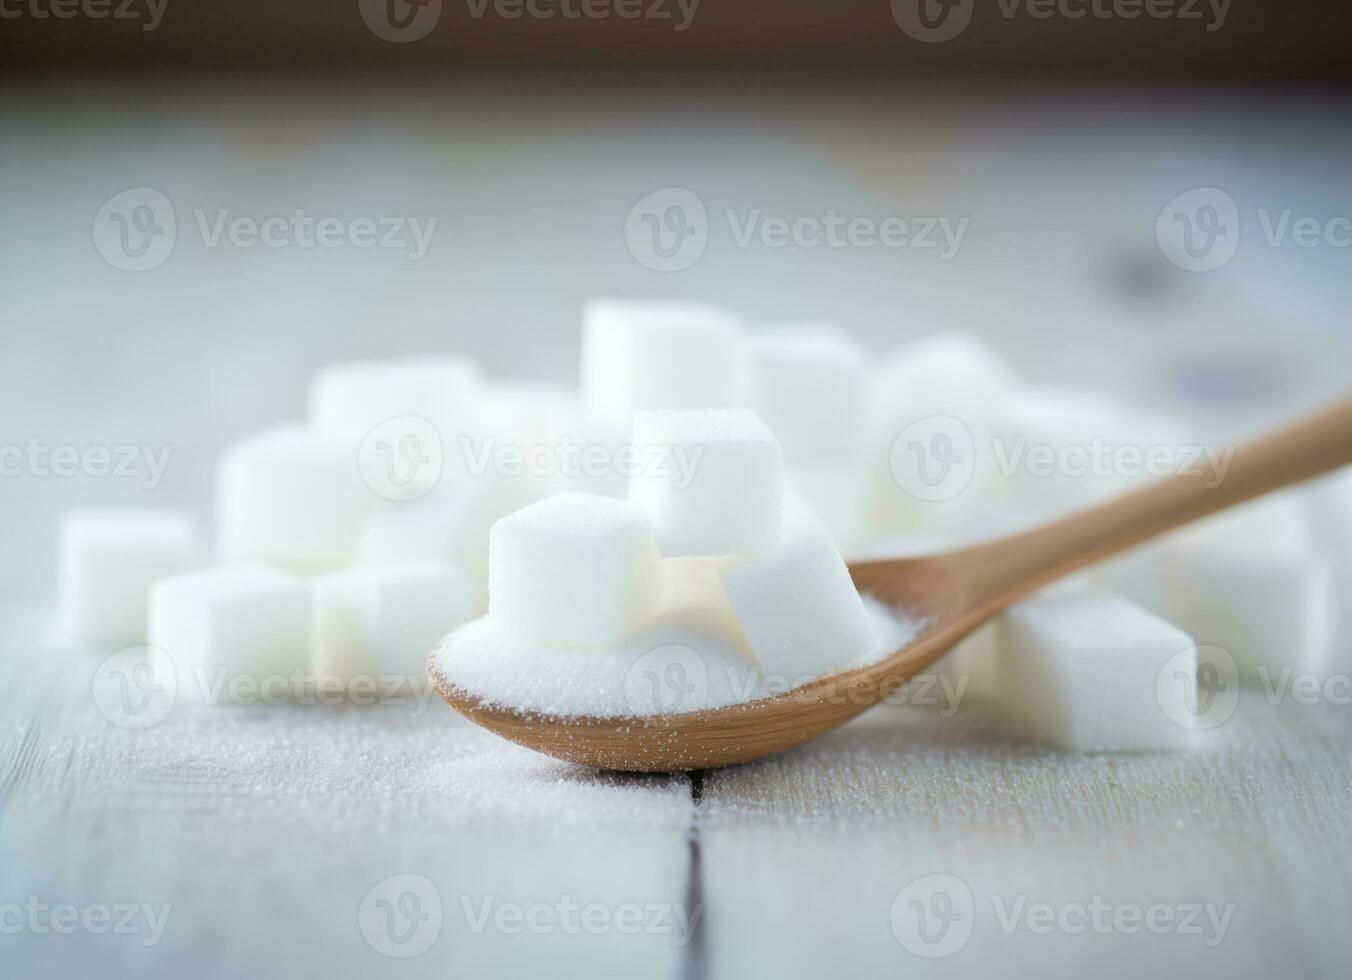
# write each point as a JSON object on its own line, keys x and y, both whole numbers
{"x": 672, "y": 534}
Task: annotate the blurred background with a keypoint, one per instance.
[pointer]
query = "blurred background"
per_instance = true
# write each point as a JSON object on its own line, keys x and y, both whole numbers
{"x": 1042, "y": 143}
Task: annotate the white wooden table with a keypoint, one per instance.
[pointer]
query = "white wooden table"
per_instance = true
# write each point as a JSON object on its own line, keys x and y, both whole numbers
{"x": 257, "y": 833}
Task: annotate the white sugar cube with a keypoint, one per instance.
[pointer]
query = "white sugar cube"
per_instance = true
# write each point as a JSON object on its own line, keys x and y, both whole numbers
{"x": 291, "y": 497}
{"x": 836, "y": 494}
{"x": 660, "y": 355}
{"x": 930, "y": 449}
{"x": 1083, "y": 671}
{"x": 693, "y": 599}
{"x": 1060, "y": 449}
{"x": 414, "y": 531}
{"x": 232, "y": 633}
{"x": 797, "y": 604}
{"x": 108, "y": 558}
{"x": 1248, "y": 581}
{"x": 573, "y": 570}
{"x": 353, "y": 398}
{"x": 383, "y": 620}
{"x": 712, "y": 482}
{"x": 1328, "y": 504}
{"x": 810, "y": 385}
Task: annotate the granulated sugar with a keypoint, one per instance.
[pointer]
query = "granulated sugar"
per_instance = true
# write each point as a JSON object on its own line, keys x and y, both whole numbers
{"x": 663, "y": 670}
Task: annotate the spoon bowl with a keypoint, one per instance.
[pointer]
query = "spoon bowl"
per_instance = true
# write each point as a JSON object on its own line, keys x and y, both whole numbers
{"x": 951, "y": 594}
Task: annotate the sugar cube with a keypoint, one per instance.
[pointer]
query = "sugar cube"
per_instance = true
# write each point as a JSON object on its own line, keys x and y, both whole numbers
{"x": 660, "y": 355}
{"x": 233, "y": 632}
{"x": 292, "y": 497}
{"x": 712, "y": 482}
{"x": 383, "y": 620}
{"x": 1083, "y": 671}
{"x": 1248, "y": 581}
{"x": 930, "y": 448}
{"x": 810, "y": 385}
{"x": 797, "y": 604}
{"x": 836, "y": 494}
{"x": 352, "y": 398}
{"x": 574, "y": 570}
{"x": 108, "y": 558}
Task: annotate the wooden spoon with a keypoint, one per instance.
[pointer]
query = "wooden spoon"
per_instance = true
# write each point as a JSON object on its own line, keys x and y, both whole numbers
{"x": 953, "y": 593}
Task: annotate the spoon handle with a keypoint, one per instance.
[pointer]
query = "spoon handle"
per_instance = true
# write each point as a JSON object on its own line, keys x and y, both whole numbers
{"x": 1003, "y": 570}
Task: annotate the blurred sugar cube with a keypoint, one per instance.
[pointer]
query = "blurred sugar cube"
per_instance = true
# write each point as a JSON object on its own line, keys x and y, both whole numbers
{"x": 573, "y": 570}
{"x": 384, "y": 620}
{"x": 291, "y": 497}
{"x": 712, "y": 482}
{"x": 811, "y": 385}
{"x": 1248, "y": 580}
{"x": 107, "y": 560}
{"x": 232, "y": 625}
{"x": 660, "y": 355}
{"x": 1094, "y": 672}
{"x": 353, "y": 398}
